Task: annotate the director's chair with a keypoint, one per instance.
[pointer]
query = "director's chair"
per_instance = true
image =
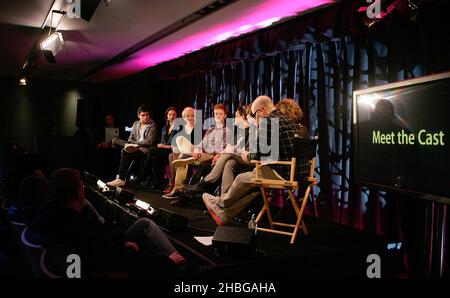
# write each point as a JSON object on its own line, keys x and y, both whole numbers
{"x": 304, "y": 160}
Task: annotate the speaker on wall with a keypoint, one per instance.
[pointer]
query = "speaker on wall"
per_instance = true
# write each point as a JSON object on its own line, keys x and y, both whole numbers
{"x": 88, "y": 8}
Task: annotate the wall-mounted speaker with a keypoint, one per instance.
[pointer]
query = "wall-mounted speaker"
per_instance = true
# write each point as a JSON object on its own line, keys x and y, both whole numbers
{"x": 88, "y": 8}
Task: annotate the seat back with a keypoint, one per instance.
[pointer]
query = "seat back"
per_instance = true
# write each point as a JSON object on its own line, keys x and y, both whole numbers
{"x": 31, "y": 251}
{"x": 305, "y": 148}
{"x": 305, "y": 154}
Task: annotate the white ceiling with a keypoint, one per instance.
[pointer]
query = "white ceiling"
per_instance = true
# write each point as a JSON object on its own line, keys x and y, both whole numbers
{"x": 112, "y": 30}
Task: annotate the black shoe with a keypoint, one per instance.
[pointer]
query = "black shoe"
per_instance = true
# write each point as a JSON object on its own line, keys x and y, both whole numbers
{"x": 172, "y": 196}
{"x": 202, "y": 187}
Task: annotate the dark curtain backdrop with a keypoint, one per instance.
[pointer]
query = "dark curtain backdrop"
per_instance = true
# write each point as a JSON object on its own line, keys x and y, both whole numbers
{"x": 319, "y": 60}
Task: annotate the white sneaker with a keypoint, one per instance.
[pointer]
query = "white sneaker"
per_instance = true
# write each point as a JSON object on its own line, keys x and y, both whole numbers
{"x": 116, "y": 182}
{"x": 183, "y": 160}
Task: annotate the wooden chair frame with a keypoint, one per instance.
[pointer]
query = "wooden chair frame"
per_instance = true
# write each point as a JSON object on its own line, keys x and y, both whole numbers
{"x": 290, "y": 186}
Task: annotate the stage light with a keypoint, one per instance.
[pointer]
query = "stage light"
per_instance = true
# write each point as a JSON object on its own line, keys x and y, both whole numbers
{"x": 144, "y": 206}
{"x": 23, "y": 81}
{"x": 51, "y": 46}
{"x": 102, "y": 185}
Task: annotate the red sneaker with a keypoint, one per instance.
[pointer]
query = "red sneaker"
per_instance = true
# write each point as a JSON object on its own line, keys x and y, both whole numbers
{"x": 169, "y": 188}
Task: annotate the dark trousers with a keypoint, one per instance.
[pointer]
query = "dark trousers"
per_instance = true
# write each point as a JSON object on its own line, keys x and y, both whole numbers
{"x": 156, "y": 160}
{"x": 125, "y": 162}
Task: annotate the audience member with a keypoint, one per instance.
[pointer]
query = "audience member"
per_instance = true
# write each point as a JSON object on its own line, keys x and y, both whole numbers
{"x": 32, "y": 193}
{"x": 65, "y": 220}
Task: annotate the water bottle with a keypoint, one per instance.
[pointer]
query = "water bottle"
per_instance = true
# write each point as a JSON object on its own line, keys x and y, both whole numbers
{"x": 252, "y": 223}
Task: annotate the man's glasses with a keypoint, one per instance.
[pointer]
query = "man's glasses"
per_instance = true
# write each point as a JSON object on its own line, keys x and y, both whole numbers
{"x": 254, "y": 114}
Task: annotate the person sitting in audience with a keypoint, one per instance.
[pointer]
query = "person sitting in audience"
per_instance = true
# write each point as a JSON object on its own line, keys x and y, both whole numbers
{"x": 109, "y": 123}
{"x": 226, "y": 206}
{"x": 32, "y": 192}
{"x": 143, "y": 136}
{"x": 106, "y": 156}
{"x": 157, "y": 157}
{"x": 20, "y": 162}
{"x": 208, "y": 150}
{"x": 188, "y": 116}
{"x": 65, "y": 220}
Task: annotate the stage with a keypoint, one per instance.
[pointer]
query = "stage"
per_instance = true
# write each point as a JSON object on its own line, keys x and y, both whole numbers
{"x": 329, "y": 250}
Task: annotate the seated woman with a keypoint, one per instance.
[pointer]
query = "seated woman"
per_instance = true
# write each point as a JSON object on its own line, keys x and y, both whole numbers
{"x": 188, "y": 116}
{"x": 157, "y": 157}
{"x": 292, "y": 110}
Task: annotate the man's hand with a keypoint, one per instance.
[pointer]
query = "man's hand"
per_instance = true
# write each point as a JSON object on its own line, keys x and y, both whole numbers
{"x": 164, "y": 146}
{"x": 244, "y": 156}
{"x": 132, "y": 246}
{"x": 130, "y": 147}
{"x": 215, "y": 159}
{"x": 196, "y": 155}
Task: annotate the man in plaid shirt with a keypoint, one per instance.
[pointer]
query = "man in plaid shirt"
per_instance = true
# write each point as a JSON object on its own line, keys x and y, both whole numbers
{"x": 276, "y": 134}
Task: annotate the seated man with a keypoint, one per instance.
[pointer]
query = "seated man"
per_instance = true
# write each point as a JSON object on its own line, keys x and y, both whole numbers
{"x": 213, "y": 143}
{"x": 143, "y": 136}
{"x": 65, "y": 220}
{"x": 228, "y": 205}
{"x": 230, "y": 160}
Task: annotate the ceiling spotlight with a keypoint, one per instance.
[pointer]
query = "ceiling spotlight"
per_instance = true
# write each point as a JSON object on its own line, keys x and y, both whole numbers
{"x": 52, "y": 46}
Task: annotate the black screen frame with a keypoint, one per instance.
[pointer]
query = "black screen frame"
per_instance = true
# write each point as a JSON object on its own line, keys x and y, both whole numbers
{"x": 354, "y": 167}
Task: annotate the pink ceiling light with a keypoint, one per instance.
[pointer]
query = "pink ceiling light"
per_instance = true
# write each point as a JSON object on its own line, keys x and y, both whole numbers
{"x": 230, "y": 23}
